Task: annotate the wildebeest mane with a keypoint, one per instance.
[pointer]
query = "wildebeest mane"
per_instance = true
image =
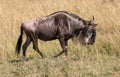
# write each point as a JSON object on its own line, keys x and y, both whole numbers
{"x": 69, "y": 13}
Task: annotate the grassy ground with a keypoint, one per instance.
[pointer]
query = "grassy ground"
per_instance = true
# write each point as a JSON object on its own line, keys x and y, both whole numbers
{"x": 100, "y": 60}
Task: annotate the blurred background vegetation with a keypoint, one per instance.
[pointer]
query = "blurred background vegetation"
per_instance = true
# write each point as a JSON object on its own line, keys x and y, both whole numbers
{"x": 100, "y": 60}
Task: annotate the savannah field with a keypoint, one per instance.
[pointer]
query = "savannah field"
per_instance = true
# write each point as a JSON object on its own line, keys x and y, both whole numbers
{"x": 99, "y": 60}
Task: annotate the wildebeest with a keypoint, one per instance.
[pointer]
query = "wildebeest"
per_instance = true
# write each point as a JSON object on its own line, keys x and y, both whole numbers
{"x": 61, "y": 25}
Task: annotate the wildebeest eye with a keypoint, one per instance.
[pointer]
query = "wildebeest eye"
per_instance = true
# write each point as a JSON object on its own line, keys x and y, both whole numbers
{"x": 84, "y": 31}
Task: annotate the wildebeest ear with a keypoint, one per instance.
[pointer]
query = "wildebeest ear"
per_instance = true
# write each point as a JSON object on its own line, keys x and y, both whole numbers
{"x": 95, "y": 25}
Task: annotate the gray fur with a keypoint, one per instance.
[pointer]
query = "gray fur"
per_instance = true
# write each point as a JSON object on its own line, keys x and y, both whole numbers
{"x": 60, "y": 25}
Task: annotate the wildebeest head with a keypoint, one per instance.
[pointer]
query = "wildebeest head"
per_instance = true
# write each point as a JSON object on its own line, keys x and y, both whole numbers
{"x": 88, "y": 33}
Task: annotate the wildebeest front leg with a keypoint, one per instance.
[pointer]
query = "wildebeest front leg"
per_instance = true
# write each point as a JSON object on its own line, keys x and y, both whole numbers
{"x": 64, "y": 46}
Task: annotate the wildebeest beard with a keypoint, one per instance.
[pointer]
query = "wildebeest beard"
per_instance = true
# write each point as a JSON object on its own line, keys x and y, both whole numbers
{"x": 77, "y": 39}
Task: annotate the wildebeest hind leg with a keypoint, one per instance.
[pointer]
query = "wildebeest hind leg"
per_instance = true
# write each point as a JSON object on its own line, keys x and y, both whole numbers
{"x": 26, "y": 44}
{"x": 35, "y": 45}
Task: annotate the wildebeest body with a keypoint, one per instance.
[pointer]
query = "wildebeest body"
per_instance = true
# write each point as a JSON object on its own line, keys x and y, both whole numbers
{"x": 59, "y": 25}
{"x": 56, "y": 26}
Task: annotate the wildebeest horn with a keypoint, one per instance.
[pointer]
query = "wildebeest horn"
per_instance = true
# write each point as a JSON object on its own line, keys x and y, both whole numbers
{"x": 92, "y": 19}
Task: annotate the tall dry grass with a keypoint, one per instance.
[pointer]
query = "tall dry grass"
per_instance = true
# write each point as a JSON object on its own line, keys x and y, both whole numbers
{"x": 100, "y": 60}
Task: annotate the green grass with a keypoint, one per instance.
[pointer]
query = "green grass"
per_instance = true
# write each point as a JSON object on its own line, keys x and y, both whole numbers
{"x": 99, "y": 60}
{"x": 100, "y": 66}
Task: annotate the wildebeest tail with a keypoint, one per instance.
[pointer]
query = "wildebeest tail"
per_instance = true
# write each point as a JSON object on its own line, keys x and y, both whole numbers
{"x": 19, "y": 42}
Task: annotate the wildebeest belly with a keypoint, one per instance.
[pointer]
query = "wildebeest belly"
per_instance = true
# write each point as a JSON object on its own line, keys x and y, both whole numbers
{"x": 46, "y": 33}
